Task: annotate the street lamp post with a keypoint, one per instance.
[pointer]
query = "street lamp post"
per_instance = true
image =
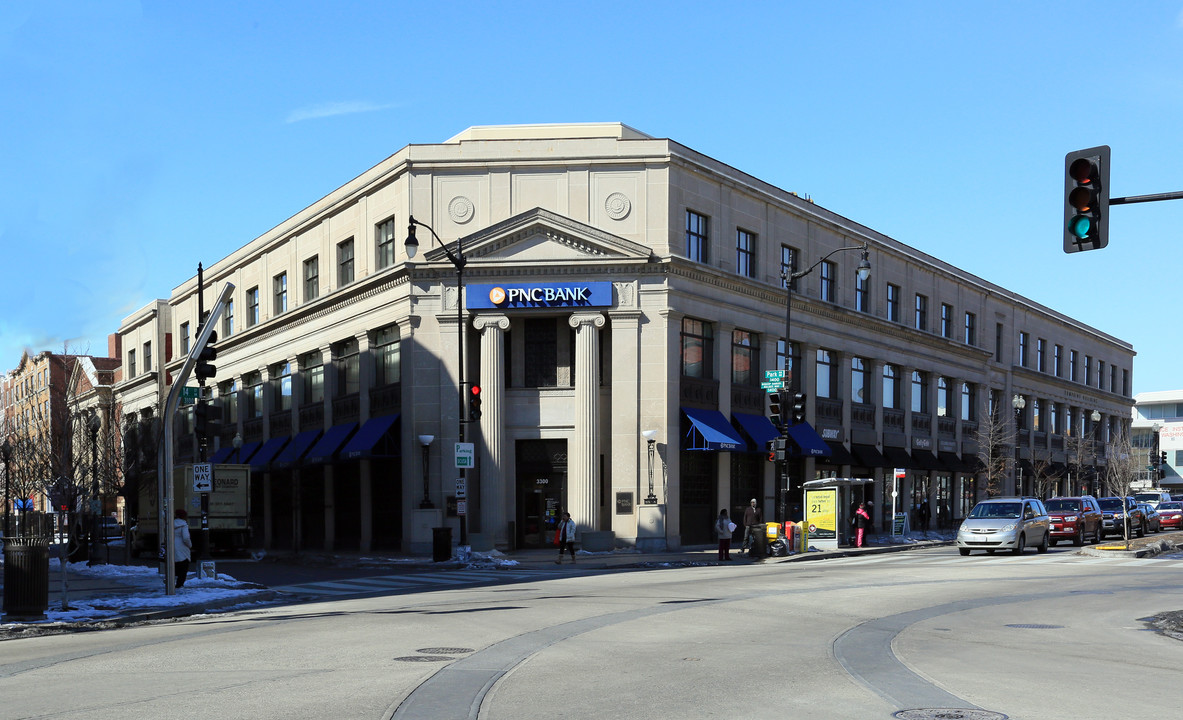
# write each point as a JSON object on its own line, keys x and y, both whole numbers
{"x": 425, "y": 442}
{"x": 1096, "y": 418}
{"x": 94, "y": 423}
{"x": 458, "y": 261}
{"x": 650, "y": 435}
{"x": 1018, "y": 402}
{"x": 789, "y": 278}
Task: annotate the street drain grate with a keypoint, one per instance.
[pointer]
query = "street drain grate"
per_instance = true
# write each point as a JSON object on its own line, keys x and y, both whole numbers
{"x": 444, "y": 651}
{"x": 948, "y": 714}
{"x": 424, "y": 658}
{"x": 1036, "y": 626}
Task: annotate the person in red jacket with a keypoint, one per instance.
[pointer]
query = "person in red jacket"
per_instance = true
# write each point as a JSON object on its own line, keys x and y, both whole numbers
{"x": 862, "y": 521}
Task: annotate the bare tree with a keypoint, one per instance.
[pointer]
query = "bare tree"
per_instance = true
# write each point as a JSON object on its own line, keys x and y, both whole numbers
{"x": 1125, "y": 463}
{"x": 995, "y": 439}
{"x": 1043, "y": 481}
{"x": 1078, "y": 451}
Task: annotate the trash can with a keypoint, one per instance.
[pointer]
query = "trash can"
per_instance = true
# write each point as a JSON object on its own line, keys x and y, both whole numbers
{"x": 441, "y": 544}
{"x": 26, "y": 578}
{"x": 759, "y": 546}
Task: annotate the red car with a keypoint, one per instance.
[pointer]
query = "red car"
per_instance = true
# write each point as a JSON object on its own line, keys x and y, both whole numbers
{"x": 1170, "y": 515}
{"x": 1075, "y": 519}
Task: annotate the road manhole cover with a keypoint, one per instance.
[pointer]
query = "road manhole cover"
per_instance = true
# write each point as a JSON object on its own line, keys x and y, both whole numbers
{"x": 1036, "y": 626}
{"x": 424, "y": 658}
{"x": 444, "y": 651}
{"x": 948, "y": 714}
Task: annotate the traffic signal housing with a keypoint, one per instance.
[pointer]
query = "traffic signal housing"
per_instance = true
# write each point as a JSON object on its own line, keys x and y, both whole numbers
{"x": 474, "y": 403}
{"x": 205, "y": 368}
{"x": 779, "y": 449}
{"x": 799, "y": 408}
{"x": 1086, "y": 199}
{"x": 774, "y": 411}
{"x": 205, "y": 424}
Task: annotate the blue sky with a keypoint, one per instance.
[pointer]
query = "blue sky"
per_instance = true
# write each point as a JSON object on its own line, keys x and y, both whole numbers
{"x": 138, "y": 139}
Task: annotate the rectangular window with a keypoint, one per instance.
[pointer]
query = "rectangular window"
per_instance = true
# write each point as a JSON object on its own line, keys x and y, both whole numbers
{"x": 280, "y": 286}
{"x": 697, "y": 237}
{"x": 969, "y": 402}
{"x": 1041, "y": 355}
{"x": 313, "y": 376}
{"x": 1100, "y": 373}
{"x": 745, "y": 253}
{"x": 998, "y": 342}
{"x": 147, "y": 357}
{"x": 541, "y": 353}
{"x": 1072, "y": 365}
{"x": 228, "y": 319}
{"x": 946, "y": 320}
{"x": 1023, "y": 342}
{"x": 919, "y": 391}
{"x": 697, "y": 349}
{"x": 921, "y": 312}
{"x": 252, "y": 307}
{"x": 971, "y": 333}
{"x": 387, "y": 360}
{"x": 253, "y": 383}
{"x": 131, "y": 363}
{"x": 229, "y": 398}
{"x": 858, "y": 381}
{"x": 1088, "y": 369}
{"x": 862, "y": 293}
{"x": 793, "y": 362}
{"x": 893, "y": 302}
{"x": 348, "y": 368}
{"x": 1058, "y": 360}
{"x": 826, "y": 386}
{"x": 1036, "y": 416}
{"x": 826, "y": 281}
{"x": 345, "y": 263}
{"x": 184, "y": 339}
{"x": 891, "y": 387}
{"x": 281, "y": 387}
{"x": 745, "y": 358}
{"x": 384, "y": 238}
{"x": 311, "y": 278}
{"x": 1125, "y": 383}
{"x": 788, "y": 266}
{"x": 942, "y": 397}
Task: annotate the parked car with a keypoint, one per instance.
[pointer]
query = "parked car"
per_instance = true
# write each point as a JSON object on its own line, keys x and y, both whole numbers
{"x": 1005, "y": 523}
{"x": 1152, "y": 498}
{"x": 1152, "y": 520}
{"x": 110, "y": 528}
{"x": 1074, "y": 518}
{"x": 1113, "y": 516}
{"x": 1170, "y": 515}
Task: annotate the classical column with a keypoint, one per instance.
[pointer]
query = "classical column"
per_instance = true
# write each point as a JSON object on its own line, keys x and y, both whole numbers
{"x": 583, "y": 450}
{"x": 627, "y": 466}
{"x": 496, "y": 487}
{"x": 365, "y": 495}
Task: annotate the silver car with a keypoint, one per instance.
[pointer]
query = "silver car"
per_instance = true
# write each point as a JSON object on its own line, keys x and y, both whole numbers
{"x": 1004, "y": 523}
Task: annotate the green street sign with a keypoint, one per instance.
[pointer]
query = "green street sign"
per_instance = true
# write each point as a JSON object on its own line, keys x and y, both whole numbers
{"x": 774, "y": 374}
{"x": 190, "y": 392}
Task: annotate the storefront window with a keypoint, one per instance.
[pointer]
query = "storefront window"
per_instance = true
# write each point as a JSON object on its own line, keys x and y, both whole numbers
{"x": 697, "y": 349}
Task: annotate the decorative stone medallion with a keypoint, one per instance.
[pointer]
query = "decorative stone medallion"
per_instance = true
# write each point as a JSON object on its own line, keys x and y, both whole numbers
{"x": 618, "y": 206}
{"x": 460, "y": 210}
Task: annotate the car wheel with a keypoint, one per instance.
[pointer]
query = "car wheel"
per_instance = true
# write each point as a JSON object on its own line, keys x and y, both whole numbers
{"x": 1020, "y": 546}
{"x": 963, "y": 551}
{"x": 1099, "y": 535}
{"x": 1142, "y": 530}
{"x": 1042, "y": 548}
{"x": 1079, "y": 539}
{"x": 1052, "y": 542}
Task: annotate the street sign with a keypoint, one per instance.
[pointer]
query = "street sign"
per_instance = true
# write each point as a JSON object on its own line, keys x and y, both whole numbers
{"x": 461, "y": 488}
{"x": 190, "y": 392}
{"x": 461, "y": 507}
{"x": 774, "y": 374}
{"x": 203, "y": 477}
{"x": 771, "y": 385}
{"x": 465, "y": 455}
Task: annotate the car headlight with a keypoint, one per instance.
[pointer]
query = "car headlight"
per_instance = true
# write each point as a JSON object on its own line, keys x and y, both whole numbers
{"x": 1119, "y": 516}
{"x": 1009, "y": 527}
{"x": 1070, "y": 518}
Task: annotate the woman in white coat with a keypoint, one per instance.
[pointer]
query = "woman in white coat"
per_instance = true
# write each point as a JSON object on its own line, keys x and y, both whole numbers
{"x": 182, "y": 546}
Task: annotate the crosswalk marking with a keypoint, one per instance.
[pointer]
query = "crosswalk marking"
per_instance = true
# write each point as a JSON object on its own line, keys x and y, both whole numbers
{"x": 417, "y": 581}
{"x": 1029, "y": 558}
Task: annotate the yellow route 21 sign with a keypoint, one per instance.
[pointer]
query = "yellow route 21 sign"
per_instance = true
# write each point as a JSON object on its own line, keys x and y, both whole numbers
{"x": 821, "y": 516}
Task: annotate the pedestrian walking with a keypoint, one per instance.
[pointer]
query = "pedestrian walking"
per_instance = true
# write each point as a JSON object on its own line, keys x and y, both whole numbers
{"x": 862, "y": 522}
{"x": 753, "y": 522}
{"x": 724, "y": 528}
{"x": 182, "y": 545}
{"x": 565, "y": 537}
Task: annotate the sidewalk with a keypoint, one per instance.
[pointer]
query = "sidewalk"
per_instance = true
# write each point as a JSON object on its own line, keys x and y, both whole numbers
{"x": 102, "y": 596}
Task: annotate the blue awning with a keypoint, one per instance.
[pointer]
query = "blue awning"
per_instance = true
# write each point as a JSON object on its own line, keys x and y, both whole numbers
{"x": 270, "y": 449}
{"x": 759, "y": 428}
{"x": 367, "y": 438}
{"x": 244, "y": 453}
{"x": 807, "y": 439}
{"x": 711, "y": 431}
{"x": 222, "y": 453}
{"x": 295, "y": 450}
{"x": 324, "y": 450}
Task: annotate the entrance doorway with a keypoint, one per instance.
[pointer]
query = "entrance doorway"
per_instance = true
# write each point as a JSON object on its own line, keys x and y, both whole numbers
{"x": 541, "y": 490}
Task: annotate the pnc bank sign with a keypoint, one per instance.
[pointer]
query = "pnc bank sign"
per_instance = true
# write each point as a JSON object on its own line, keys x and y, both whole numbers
{"x": 539, "y": 295}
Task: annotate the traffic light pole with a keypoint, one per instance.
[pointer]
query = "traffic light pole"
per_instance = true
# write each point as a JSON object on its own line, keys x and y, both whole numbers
{"x": 164, "y": 466}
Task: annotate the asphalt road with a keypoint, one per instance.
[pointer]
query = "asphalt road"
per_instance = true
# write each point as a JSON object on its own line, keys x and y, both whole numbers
{"x": 1039, "y": 636}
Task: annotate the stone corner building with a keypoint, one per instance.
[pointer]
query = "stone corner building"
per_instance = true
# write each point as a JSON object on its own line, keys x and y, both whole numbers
{"x": 615, "y": 284}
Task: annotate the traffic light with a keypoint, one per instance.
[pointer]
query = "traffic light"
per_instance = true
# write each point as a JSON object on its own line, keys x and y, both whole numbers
{"x": 774, "y": 408}
{"x": 1162, "y": 464}
{"x": 1086, "y": 199}
{"x": 205, "y": 425}
{"x": 799, "y": 408}
{"x": 474, "y": 403}
{"x": 204, "y": 369}
{"x": 779, "y": 449}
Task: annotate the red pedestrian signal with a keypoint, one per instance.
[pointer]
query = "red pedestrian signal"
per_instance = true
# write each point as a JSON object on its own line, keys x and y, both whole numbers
{"x": 474, "y": 403}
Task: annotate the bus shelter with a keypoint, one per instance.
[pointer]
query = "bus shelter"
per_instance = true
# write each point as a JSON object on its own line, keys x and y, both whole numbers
{"x": 828, "y": 511}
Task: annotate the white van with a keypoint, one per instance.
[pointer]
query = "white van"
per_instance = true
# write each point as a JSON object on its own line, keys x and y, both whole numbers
{"x": 1152, "y": 498}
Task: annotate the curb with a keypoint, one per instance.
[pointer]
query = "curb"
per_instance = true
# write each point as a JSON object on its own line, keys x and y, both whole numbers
{"x": 1156, "y": 548}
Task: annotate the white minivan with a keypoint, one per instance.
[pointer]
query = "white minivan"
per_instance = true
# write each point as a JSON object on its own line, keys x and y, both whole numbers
{"x": 1152, "y": 498}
